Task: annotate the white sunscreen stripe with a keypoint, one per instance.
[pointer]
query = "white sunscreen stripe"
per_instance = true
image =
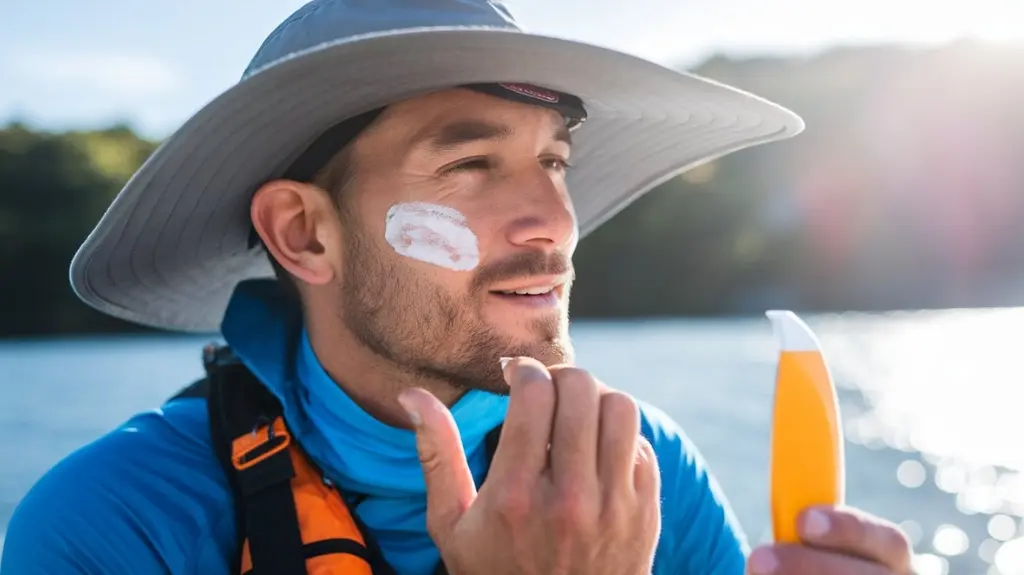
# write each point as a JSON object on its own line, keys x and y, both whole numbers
{"x": 432, "y": 233}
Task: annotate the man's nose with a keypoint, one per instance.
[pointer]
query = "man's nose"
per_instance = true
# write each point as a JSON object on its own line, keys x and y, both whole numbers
{"x": 546, "y": 219}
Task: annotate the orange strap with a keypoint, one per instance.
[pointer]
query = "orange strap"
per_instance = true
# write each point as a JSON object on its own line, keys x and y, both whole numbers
{"x": 330, "y": 541}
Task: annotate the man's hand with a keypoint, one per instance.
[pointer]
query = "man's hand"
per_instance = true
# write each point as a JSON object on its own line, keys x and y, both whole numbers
{"x": 589, "y": 504}
{"x": 837, "y": 541}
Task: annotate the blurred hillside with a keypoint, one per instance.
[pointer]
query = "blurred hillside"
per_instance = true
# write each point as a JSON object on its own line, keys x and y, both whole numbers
{"x": 904, "y": 192}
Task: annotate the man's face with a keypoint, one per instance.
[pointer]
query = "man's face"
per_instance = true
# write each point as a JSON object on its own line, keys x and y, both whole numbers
{"x": 458, "y": 200}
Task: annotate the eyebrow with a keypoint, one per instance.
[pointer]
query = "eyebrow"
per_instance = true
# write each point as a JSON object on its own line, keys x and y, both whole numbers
{"x": 463, "y": 132}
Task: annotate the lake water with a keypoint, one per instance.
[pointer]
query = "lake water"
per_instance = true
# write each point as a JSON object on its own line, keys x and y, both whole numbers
{"x": 931, "y": 403}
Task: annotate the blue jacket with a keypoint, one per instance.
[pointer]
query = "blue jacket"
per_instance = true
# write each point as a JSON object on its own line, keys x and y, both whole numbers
{"x": 150, "y": 497}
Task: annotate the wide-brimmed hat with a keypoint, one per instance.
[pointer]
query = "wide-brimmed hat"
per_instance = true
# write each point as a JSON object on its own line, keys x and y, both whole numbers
{"x": 174, "y": 243}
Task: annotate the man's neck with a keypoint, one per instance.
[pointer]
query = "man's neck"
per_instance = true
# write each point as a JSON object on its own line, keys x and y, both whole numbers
{"x": 372, "y": 382}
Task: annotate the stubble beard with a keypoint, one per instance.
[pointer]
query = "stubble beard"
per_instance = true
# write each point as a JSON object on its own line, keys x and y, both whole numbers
{"x": 418, "y": 327}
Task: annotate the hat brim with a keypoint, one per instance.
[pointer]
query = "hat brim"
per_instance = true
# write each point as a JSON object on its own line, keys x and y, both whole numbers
{"x": 174, "y": 243}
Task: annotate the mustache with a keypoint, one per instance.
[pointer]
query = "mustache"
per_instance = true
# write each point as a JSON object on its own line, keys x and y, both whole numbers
{"x": 525, "y": 264}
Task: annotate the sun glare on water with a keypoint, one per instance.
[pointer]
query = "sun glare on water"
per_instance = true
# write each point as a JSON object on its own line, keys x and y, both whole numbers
{"x": 949, "y": 385}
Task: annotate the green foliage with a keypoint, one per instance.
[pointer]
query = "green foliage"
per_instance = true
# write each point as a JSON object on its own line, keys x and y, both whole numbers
{"x": 53, "y": 188}
{"x": 906, "y": 190}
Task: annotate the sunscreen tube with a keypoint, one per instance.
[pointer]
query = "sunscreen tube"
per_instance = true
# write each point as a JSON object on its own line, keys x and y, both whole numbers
{"x": 807, "y": 461}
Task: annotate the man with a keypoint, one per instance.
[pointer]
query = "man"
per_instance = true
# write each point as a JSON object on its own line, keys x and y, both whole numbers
{"x": 414, "y": 195}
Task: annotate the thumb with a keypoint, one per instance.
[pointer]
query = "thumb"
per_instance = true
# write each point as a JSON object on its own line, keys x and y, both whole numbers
{"x": 450, "y": 486}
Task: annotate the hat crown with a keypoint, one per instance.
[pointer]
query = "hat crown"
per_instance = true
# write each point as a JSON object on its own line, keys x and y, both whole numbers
{"x": 323, "y": 21}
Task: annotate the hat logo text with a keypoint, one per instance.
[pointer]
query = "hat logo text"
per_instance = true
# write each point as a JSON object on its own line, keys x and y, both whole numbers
{"x": 531, "y": 92}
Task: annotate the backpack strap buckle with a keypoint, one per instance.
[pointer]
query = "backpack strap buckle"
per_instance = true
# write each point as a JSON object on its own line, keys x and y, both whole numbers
{"x": 262, "y": 459}
{"x": 263, "y": 443}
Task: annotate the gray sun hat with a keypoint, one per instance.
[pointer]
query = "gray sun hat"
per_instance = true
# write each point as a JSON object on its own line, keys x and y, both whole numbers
{"x": 174, "y": 243}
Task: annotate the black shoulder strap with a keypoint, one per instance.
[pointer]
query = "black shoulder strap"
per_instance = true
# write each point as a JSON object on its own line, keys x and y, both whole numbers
{"x": 264, "y": 505}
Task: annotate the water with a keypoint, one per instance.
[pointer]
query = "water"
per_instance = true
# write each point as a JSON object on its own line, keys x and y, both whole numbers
{"x": 931, "y": 405}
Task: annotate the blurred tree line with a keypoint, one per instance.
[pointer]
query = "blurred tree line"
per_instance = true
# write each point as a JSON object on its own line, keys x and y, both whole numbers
{"x": 905, "y": 191}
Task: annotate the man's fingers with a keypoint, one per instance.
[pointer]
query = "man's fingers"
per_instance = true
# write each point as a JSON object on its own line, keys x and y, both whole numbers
{"x": 575, "y": 429}
{"x": 526, "y": 432}
{"x": 450, "y": 486}
{"x": 858, "y": 534}
{"x": 788, "y": 559}
{"x": 618, "y": 432}
{"x": 646, "y": 472}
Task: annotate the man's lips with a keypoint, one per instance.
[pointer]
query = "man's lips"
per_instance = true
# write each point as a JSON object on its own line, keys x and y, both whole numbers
{"x": 538, "y": 293}
{"x": 532, "y": 286}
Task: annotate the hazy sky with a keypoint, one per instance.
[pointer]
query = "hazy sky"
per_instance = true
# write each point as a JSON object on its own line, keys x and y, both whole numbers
{"x": 83, "y": 63}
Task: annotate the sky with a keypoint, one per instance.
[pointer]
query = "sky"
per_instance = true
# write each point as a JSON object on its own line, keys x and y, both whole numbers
{"x": 153, "y": 63}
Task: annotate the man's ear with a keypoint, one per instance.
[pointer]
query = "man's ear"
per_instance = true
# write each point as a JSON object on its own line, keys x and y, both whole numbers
{"x": 293, "y": 219}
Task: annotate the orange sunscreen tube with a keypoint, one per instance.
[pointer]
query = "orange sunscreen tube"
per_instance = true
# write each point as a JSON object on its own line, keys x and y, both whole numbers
{"x": 807, "y": 465}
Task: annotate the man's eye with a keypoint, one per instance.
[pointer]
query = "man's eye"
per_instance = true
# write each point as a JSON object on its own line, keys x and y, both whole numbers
{"x": 559, "y": 164}
{"x": 469, "y": 165}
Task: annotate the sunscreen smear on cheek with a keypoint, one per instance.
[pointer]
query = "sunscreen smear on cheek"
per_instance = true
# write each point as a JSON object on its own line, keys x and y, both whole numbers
{"x": 433, "y": 234}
